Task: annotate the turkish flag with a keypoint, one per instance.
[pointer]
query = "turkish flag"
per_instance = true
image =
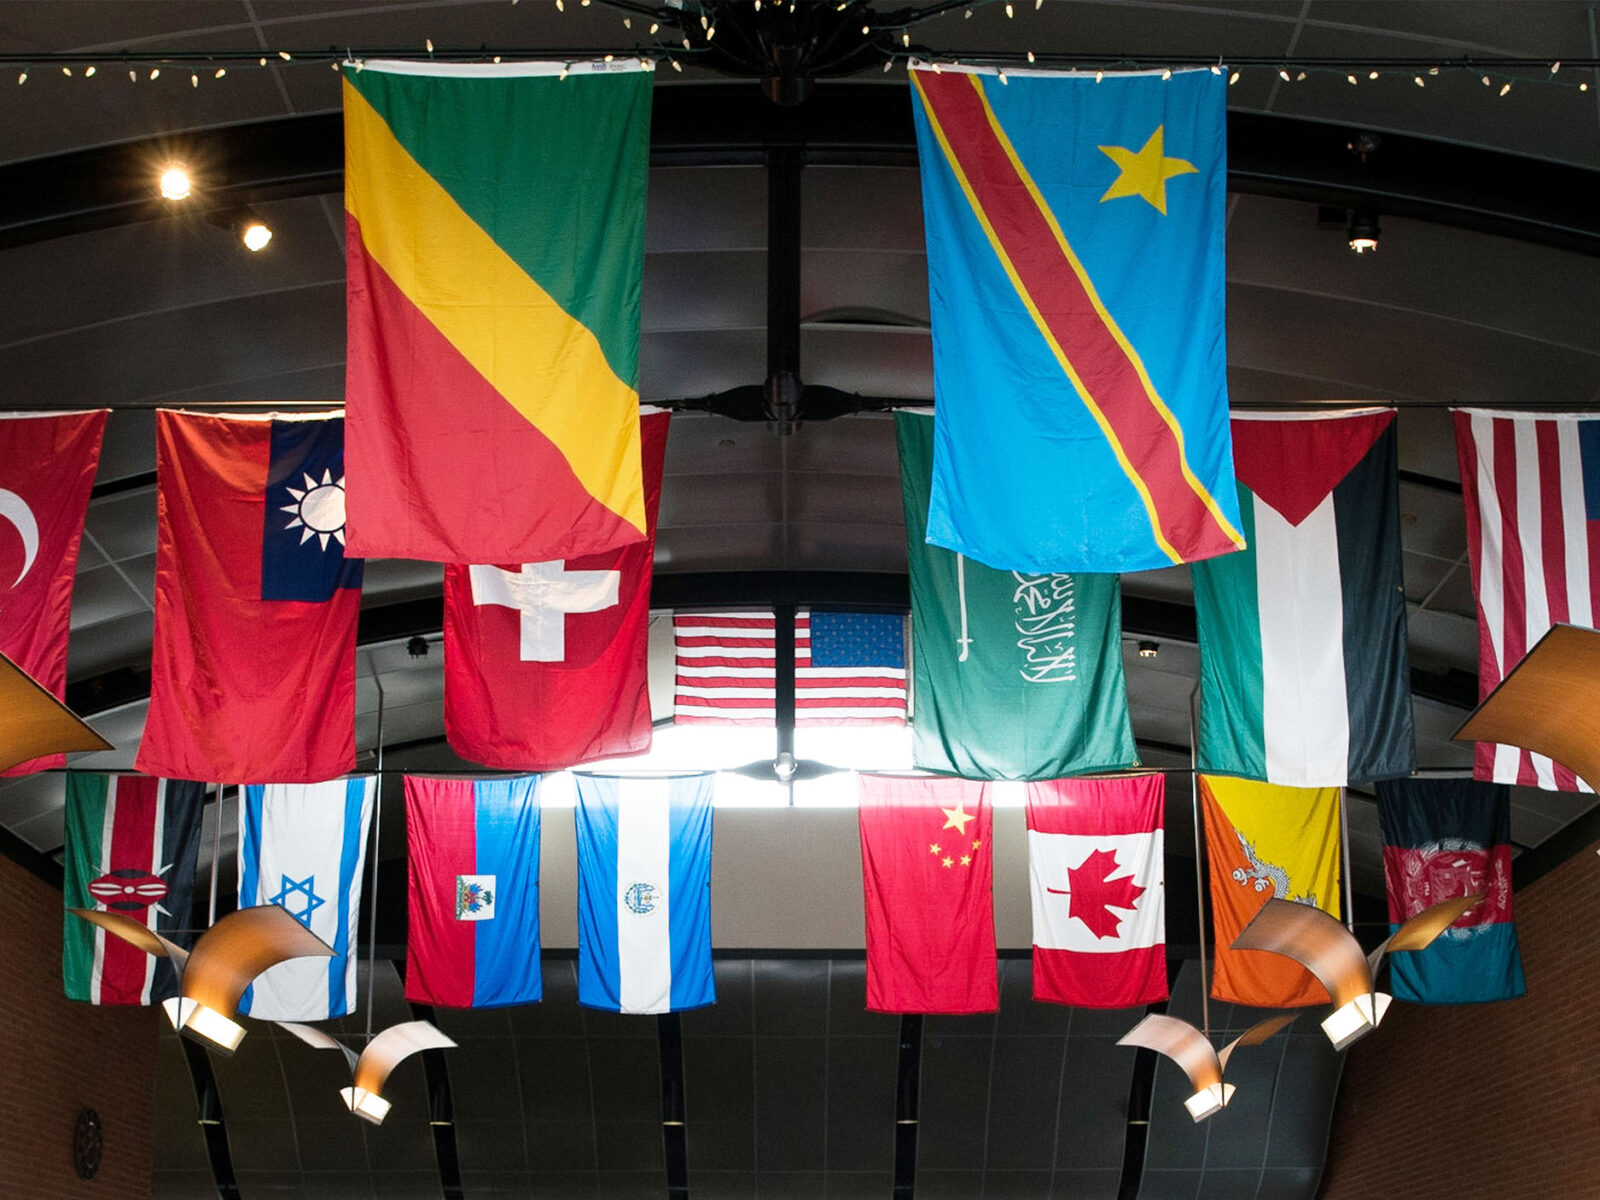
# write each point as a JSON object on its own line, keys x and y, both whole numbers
{"x": 1099, "y": 907}
{"x": 47, "y": 467}
{"x": 545, "y": 664}
{"x": 927, "y": 870}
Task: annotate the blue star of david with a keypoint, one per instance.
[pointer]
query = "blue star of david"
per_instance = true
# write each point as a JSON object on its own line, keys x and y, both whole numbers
{"x": 301, "y": 887}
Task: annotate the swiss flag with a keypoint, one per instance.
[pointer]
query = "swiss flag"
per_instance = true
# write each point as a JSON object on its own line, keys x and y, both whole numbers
{"x": 545, "y": 664}
{"x": 47, "y": 466}
{"x": 1099, "y": 909}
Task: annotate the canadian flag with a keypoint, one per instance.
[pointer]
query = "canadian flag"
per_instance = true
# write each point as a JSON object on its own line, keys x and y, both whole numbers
{"x": 1099, "y": 907}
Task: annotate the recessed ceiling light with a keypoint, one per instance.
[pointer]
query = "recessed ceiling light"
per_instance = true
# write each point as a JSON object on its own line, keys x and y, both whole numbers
{"x": 175, "y": 184}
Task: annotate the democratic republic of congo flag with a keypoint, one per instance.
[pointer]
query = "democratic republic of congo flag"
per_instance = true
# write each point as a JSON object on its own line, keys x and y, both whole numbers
{"x": 1075, "y": 269}
{"x": 495, "y": 247}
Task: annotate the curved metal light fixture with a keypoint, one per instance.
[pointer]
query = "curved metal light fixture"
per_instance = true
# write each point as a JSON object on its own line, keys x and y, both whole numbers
{"x": 1202, "y": 1062}
{"x": 36, "y": 723}
{"x": 225, "y": 958}
{"x": 1330, "y": 952}
{"x": 372, "y": 1066}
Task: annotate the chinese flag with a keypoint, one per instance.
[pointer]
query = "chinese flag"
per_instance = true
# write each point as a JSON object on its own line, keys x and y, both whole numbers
{"x": 47, "y": 466}
{"x": 253, "y": 676}
{"x": 545, "y": 663}
{"x": 927, "y": 869}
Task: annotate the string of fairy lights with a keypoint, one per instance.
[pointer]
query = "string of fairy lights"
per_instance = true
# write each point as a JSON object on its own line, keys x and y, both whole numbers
{"x": 684, "y": 32}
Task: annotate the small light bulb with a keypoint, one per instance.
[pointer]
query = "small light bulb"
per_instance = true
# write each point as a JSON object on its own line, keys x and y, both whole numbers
{"x": 563, "y": 73}
{"x": 676, "y": 65}
{"x": 1099, "y": 75}
{"x": 89, "y": 71}
{"x": 22, "y": 78}
{"x": 654, "y": 25}
{"x": 1010, "y": 12}
{"x": 1372, "y": 75}
{"x": 1030, "y": 56}
{"x": 428, "y": 44}
{"x": 221, "y": 71}
{"x": 67, "y": 71}
{"x": 133, "y": 76}
{"x": 1505, "y": 89}
{"x": 194, "y": 80}
{"x": 1300, "y": 78}
{"x": 256, "y": 236}
{"x": 1555, "y": 67}
{"x": 155, "y": 72}
{"x": 175, "y": 183}
{"x": 711, "y": 32}
{"x": 1216, "y": 70}
{"x": 1167, "y": 74}
{"x": 1485, "y": 81}
{"x": 1004, "y": 80}
{"x": 1584, "y": 86}
{"x": 866, "y": 29}
{"x": 1417, "y": 79}
{"x": 1283, "y": 75}
{"x": 610, "y": 57}
{"x": 1353, "y": 80}
{"x": 261, "y": 62}
{"x": 285, "y": 55}
{"x": 1233, "y": 79}
{"x": 905, "y": 37}
{"x": 627, "y": 22}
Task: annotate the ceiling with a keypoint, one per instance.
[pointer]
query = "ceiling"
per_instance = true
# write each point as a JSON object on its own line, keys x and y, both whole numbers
{"x": 1483, "y": 292}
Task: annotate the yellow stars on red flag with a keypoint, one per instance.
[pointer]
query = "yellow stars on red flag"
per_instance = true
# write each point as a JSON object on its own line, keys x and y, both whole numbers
{"x": 958, "y": 818}
{"x": 1145, "y": 172}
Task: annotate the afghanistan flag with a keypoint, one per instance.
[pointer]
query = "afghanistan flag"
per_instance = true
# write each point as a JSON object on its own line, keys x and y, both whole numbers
{"x": 1099, "y": 896}
{"x": 131, "y": 845}
{"x": 1444, "y": 838}
{"x": 472, "y": 849}
{"x": 495, "y": 246}
{"x": 1017, "y": 675}
{"x": 644, "y": 893}
{"x": 927, "y": 868}
{"x": 1075, "y": 276}
{"x": 1266, "y": 842}
{"x": 1304, "y": 678}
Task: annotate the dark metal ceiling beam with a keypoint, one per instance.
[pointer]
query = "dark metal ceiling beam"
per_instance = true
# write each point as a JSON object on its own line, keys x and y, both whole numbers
{"x": 844, "y": 122}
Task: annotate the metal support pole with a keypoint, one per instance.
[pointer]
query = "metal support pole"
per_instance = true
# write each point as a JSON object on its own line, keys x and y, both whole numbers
{"x": 377, "y": 845}
{"x": 1344, "y": 862}
{"x": 216, "y": 854}
{"x": 1199, "y": 861}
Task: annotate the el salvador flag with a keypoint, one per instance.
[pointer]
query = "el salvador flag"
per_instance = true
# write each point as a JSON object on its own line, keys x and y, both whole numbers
{"x": 644, "y": 893}
{"x": 303, "y": 846}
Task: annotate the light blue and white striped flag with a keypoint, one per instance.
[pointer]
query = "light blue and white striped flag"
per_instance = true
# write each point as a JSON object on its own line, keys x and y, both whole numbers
{"x": 644, "y": 893}
{"x": 303, "y": 846}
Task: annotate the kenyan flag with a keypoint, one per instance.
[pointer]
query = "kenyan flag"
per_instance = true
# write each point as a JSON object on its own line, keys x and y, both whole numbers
{"x": 131, "y": 847}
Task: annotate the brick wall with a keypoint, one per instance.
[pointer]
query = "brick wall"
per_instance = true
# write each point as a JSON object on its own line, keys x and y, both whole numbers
{"x": 57, "y": 1057}
{"x": 1491, "y": 1100}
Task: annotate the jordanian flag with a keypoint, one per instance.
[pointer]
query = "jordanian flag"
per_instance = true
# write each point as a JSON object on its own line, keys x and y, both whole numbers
{"x": 131, "y": 845}
{"x": 495, "y": 247}
{"x": 1304, "y": 679}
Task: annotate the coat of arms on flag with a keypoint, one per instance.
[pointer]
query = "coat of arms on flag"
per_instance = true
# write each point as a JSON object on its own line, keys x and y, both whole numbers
{"x": 474, "y": 897}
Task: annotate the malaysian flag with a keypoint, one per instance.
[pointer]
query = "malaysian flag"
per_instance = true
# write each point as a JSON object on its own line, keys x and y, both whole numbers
{"x": 1532, "y": 490}
{"x": 850, "y": 668}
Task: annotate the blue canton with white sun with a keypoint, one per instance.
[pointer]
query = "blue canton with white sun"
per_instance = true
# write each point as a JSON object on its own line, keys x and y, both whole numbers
{"x": 302, "y": 538}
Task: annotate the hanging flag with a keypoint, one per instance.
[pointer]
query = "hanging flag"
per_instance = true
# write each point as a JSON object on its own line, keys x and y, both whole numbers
{"x": 849, "y": 668}
{"x": 254, "y": 668}
{"x": 494, "y": 244}
{"x": 545, "y": 663}
{"x": 1532, "y": 491}
{"x": 131, "y": 846}
{"x": 644, "y": 893}
{"x": 472, "y": 846}
{"x": 1018, "y": 675}
{"x": 1266, "y": 842}
{"x": 1304, "y": 678}
{"x": 303, "y": 847}
{"x": 1099, "y": 897}
{"x": 927, "y": 871}
{"x": 47, "y": 467}
{"x": 1444, "y": 838}
{"x": 1075, "y": 273}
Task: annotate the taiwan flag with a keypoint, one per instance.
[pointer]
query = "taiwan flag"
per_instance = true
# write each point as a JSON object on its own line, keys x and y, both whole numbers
{"x": 131, "y": 847}
{"x": 253, "y": 674}
{"x": 1099, "y": 900}
{"x": 472, "y": 849}
{"x": 47, "y": 466}
{"x": 545, "y": 663}
{"x": 927, "y": 871}
{"x": 1444, "y": 838}
{"x": 644, "y": 893}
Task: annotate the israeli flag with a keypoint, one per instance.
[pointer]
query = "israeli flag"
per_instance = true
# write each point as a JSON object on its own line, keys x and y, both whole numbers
{"x": 303, "y": 846}
{"x": 644, "y": 893}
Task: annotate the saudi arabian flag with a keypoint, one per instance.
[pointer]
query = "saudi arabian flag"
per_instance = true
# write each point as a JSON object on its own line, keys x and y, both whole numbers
{"x": 1017, "y": 675}
{"x": 1304, "y": 679}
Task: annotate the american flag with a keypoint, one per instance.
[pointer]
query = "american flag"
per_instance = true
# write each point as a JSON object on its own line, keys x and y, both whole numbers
{"x": 1532, "y": 490}
{"x": 850, "y": 668}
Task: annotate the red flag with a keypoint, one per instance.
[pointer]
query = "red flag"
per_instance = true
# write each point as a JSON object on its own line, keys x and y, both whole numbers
{"x": 253, "y": 675}
{"x": 47, "y": 467}
{"x": 927, "y": 870}
{"x": 1099, "y": 909}
{"x": 545, "y": 664}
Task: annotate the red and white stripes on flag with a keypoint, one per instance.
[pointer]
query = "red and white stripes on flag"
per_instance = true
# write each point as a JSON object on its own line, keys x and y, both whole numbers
{"x": 725, "y": 673}
{"x": 1532, "y": 491}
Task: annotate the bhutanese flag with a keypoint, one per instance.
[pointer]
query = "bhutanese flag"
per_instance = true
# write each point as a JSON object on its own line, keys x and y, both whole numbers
{"x": 1075, "y": 278}
{"x": 1266, "y": 842}
{"x": 494, "y": 249}
{"x": 1304, "y": 678}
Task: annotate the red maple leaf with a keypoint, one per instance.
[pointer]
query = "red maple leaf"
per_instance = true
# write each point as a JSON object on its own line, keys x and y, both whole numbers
{"x": 1095, "y": 894}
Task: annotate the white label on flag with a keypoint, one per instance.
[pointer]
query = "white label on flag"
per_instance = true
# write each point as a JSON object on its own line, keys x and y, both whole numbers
{"x": 475, "y": 897}
{"x": 644, "y": 863}
{"x": 1099, "y": 894}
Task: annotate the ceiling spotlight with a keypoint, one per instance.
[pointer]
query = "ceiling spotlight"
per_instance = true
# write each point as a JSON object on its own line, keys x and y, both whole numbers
{"x": 1149, "y": 649}
{"x": 255, "y": 236}
{"x": 175, "y": 184}
{"x": 1363, "y": 230}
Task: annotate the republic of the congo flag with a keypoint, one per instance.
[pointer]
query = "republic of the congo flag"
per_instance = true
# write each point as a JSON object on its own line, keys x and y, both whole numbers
{"x": 1075, "y": 273}
{"x": 494, "y": 240}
